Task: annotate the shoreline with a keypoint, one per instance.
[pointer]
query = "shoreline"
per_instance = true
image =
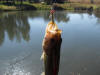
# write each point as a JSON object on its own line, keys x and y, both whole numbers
{"x": 40, "y": 6}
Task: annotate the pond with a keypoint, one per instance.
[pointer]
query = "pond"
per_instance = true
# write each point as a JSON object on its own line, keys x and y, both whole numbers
{"x": 22, "y": 32}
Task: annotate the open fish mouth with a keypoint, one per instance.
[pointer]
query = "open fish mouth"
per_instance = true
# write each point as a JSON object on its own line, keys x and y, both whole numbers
{"x": 53, "y": 28}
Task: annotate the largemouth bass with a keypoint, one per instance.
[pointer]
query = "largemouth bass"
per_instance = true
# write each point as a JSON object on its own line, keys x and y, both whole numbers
{"x": 51, "y": 49}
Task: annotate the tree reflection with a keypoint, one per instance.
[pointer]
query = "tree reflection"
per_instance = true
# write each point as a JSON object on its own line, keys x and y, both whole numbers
{"x": 1, "y": 33}
{"x": 98, "y": 17}
{"x": 59, "y": 16}
{"x": 15, "y": 25}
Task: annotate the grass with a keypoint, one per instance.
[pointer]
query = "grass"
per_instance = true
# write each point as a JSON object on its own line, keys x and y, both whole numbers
{"x": 6, "y": 8}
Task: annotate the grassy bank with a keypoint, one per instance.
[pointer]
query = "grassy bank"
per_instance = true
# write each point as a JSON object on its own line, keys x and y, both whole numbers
{"x": 43, "y": 6}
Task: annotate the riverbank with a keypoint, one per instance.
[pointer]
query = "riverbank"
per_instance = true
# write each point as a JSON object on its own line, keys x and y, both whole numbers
{"x": 43, "y": 6}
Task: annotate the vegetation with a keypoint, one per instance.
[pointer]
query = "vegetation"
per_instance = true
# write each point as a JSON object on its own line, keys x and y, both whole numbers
{"x": 10, "y": 5}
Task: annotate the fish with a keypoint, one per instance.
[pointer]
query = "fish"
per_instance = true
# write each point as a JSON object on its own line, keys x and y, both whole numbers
{"x": 51, "y": 49}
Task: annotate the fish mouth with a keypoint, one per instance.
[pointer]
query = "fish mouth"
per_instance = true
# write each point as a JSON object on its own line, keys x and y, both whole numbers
{"x": 53, "y": 28}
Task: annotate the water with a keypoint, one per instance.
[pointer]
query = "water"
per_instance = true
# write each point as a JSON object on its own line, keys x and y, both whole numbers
{"x": 21, "y": 35}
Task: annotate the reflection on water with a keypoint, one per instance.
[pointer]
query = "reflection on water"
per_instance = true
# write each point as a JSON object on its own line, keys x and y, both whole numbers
{"x": 15, "y": 26}
{"x": 16, "y": 70}
{"x": 98, "y": 17}
{"x": 16, "y": 23}
{"x": 21, "y": 35}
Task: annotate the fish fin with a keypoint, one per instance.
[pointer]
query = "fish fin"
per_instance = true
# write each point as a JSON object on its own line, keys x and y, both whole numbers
{"x": 42, "y": 73}
{"x": 42, "y": 56}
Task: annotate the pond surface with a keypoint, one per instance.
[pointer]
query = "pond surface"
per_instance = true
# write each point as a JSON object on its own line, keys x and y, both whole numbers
{"x": 21, "y": 35}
